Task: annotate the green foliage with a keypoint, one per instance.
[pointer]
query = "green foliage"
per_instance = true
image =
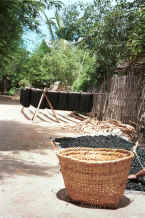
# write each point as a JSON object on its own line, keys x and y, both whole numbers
{"x": 102, "y": 33}
{"x": 24, "y": 83}
{"x": 57, "y": 64}
{"x": 17, "y": 16}
{"x": 86, "y": 79}
{"x": 112, "y": 32}
{"x": 54, "y": 25}
{"x": 136, "y": 42}
{"x": 12, "y": 91}
{"x": 15, "y": 69}
{"x": 45, "y": 65}
{"x": 83, "y": 83}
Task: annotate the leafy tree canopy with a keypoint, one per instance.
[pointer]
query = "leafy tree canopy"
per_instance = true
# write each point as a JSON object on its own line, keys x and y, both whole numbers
{"x": 17, "y": 16}
{"x": 102, "y": 34}
{"x": 59, "y": 63}
{"x": 112, "y": 32}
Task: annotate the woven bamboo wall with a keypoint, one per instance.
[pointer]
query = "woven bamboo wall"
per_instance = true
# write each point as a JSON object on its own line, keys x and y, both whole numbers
{"x": 123, "y": 101}
{"x": 125, "y": 98}
{"x": 99, "y": 102}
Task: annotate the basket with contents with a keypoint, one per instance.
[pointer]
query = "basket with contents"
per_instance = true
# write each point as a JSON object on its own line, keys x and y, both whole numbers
{"x": 95, "y": 176}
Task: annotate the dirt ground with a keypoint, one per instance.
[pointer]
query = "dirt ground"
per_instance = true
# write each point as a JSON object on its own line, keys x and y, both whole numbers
{"x": 31, "y": 184}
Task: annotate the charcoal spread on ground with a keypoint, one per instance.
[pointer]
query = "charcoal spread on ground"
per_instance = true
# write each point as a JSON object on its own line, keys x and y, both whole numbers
{"x": 110, "y": 141}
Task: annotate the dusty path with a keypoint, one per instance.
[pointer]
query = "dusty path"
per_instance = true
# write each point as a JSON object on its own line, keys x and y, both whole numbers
{"x": 25, "y": 146}
{"x": 26, "y": 158}
{"x": 31, "y": 185}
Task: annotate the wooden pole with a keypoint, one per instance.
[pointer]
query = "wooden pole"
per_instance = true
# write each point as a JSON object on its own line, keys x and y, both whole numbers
{"x": 37, "y": 110}
{"x": 49, "y": 103}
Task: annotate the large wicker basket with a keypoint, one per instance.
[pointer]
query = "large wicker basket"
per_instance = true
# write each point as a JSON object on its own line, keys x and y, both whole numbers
{"x": 95, "y": 176}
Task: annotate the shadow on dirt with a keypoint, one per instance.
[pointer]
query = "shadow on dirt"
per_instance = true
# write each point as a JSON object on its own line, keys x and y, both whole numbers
{"x": 8, "y": 100}
{"x": 11, "y": 167}
{"x": 20, "y": 136}
{"x": 62, "y": 195}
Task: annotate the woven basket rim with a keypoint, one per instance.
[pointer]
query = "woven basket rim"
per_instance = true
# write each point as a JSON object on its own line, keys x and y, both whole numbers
{"x": 60, "y": 154}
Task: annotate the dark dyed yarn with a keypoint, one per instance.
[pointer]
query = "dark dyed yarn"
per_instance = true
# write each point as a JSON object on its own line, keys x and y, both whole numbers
{"x": 54, "y": 99}
{"x": 86, "y": 103}
{"x": 80, "y": 102}
{"x": 25, "y": 97}
{"x": 74, "y": 101}
{"x": 22, "y": 97}
{"x": 35, "y": 98}
{"x": 63, "y": 101}
{"x": 33, "y": 102}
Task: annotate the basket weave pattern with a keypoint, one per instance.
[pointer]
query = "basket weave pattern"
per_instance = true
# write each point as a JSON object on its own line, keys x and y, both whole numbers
{"x": 95, "y": 176}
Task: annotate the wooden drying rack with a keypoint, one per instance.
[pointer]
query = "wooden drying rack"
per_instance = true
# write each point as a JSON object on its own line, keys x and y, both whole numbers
{"x": 49, "y": 103}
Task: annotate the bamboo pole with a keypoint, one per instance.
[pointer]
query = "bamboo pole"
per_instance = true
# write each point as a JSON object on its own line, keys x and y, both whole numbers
{"x": 49, "y": 103}
{"x": 37, "y": 110}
